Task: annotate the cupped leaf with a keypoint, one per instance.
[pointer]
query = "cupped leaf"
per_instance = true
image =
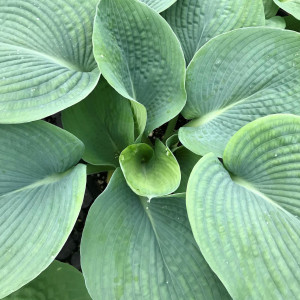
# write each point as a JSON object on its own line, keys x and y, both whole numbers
{"x": 236, "y": 78}
{"x": 290, "y": 6}
{"x": 41, "y": 193}
{"x": 276, "y": 22}
{"x": 59, "y": 281}
{"x": 104, "y": 123}
{"x": 150, "y": 172}
{"x": 196, "y": 22}
{"x": 246, "y": 219}
{"x": 46, "y": 59}
{"x": 132, "y": 249}
{"x": 271, "y": 8}
{"x": 140, "y": 56}
{"x": 159, "y": 5}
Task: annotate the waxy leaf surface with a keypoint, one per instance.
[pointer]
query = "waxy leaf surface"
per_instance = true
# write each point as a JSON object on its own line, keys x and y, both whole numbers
{"x": 290, "y": 6}
{"x": 245, "y": 216}
{"x": 46, "y": 57}
{"x": 236, "y": 78}
{"x": 150, "y": 172}
{"x": 140, "y": 56}
{"x": 59, "y": 281}
{"x": 104, "y": 123}
{"x": 41, "y": 192}
{"x": 196, "y": 22}
{"x": 159, "y": 5}
{"x": 270, "y": 8}
{"x": 132, "y": 249}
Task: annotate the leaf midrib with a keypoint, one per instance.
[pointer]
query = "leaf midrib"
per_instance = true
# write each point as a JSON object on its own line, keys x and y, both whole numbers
{"x": 207, "y": 117}
{"x": 144, "y": 203}
{"x": 57, "y": 60}
{"x": 44, "y": 181}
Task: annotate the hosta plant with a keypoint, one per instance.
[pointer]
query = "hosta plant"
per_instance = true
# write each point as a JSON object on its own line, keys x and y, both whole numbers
{"x": 209, "y": 210}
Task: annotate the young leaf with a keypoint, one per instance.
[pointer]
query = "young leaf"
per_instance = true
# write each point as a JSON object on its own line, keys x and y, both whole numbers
{"x": 245, "y": 218}
{"x": 159, "y": 5}
{"x": 236, "y": 78}
{"x": 41, "y": 193}
{"x": 271, "y": 8}
{"x": 59, "y": 281}
{"x": 140, "y": 56}
{"x": 290, "y": 6}
{"x": 46, "y": 59}
{"x": 196, "y": 22}
{"x": 132, "y": 249}
{"x": 150, "y": 172}
{"x": 104, "y": 122}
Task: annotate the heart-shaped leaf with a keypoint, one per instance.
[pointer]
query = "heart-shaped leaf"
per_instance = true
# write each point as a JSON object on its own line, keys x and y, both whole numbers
{"x": 41, "y": 193}
{"x": 236, "y": 78}
{"x": 271, "y": 8}
{"x": 132, "y": 249}
{"x": 46, "y": 59}
{"x": 140, "y": 56}
{"x": 104, "y": 122}
{"x": 196, "y": 22}
{"x": 291, "y": 6}
{"x": 150, "y": 172}
{"x": 245, "y": 218}
{"x": 59, "y": 281}
{"x": 159, "y": 5}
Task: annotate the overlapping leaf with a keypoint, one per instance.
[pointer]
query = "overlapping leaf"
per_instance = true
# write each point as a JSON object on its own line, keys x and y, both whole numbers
{"x": 104, "y": 122}
{"x": 41, "y": 193}
{"x": 159, "y": 5}
{"x": 150, "y": 172}
{"x": 140, "y": 56}
{"x": 245, "y": 218}
{"x": 196, "y": 22}
{"x": 276, "y": 22}
{"x": 291, "y": 6}
{"x": 236, "y": 78}
{"x": 46, "y": 59}
{"x": 132, "y": 249}
{"x": 186, "y": 160}
{"x": 270, "y": 8}
{"x": 59, "y": 281}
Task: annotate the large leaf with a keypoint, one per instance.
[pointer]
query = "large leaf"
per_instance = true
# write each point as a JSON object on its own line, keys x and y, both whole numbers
{"x": 271, "y": 8}
{"x": 159, "y": 5}
{"x": 132, "y": 249}
{"x": 236, "y": 78}
{"x": 41, "y": 193}
{"x": 291, "y": 6}
{"x": 246, "y": 218}
{"x": 150, "y": 172}
{"x": 59, "y": 281}
{"x": 196, "y": 22}
{"x": 104, "y": 122}
{"x": 140, "y": 56}
{"x": 46, "y": 59}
